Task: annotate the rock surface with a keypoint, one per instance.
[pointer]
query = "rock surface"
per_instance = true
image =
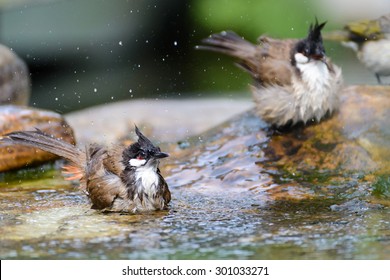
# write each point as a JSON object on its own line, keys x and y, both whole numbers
{"x": 240, "y": 153}
{"x": 14, "y": 78}
{"x": 164, "y": 120}
{"x": 237, "y": 193}
{"x": 13, "y": 118}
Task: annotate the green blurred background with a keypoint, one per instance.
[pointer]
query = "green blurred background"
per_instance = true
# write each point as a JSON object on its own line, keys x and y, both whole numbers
{"x": 87, "y": 52}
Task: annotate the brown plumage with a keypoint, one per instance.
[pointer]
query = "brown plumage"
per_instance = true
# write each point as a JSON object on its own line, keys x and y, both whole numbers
{"x": 294, "y": 81}
{"x": 267, "y": 63}
{"x": 123, "y": 179}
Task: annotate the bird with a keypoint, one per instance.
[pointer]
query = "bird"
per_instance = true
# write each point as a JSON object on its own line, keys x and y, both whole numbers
{"x": 294, "y": 81}
{"x": 370, "y": 39}
{"x": 119, "y": 179}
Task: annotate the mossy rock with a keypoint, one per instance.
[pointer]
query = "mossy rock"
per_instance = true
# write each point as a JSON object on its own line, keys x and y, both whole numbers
{"x": 304, "y": 162}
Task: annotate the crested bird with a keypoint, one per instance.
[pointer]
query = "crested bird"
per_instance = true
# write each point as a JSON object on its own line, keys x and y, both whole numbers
{"x": 294, "y": 81}
{"x": 370, "y": 39}
{"x": 120, "y": 179}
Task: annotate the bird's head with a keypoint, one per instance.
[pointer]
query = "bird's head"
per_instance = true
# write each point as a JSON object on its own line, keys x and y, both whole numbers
{"x": 142, "y": 152}
{"x": 311, "y": 47}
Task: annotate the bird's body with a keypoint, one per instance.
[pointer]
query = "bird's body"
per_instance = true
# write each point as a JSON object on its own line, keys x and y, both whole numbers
{"x": 375, "y": 55}
{"x": 293, "y": 79}
{"x": 370, "y": 39}
{"x": 120, "y": 179}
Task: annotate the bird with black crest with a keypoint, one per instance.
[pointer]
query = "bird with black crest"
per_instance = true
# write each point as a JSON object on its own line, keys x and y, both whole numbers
{"x": 294, "y": 81}
{"x": 119, "y": 179}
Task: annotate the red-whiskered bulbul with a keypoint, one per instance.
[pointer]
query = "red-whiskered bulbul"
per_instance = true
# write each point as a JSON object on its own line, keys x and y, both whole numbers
{"x": 294, "y": 81}
{"x": 120, "y": 179}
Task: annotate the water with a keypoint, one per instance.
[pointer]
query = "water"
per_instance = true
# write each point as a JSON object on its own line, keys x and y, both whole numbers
{"x": 199, "y": 225}
{"x": 235, "y": 196}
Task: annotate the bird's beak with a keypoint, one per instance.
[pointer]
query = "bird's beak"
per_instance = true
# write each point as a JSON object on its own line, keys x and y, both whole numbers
{"x": 160, "y": 155}
{"x": 318, "y": 55}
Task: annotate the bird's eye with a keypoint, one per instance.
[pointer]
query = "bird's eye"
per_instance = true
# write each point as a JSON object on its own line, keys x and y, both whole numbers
{"x": 141, "y": 155}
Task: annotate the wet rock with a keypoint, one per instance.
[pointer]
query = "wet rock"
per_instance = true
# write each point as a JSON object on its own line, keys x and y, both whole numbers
{"x": 163, "y": 120}
{"x": 301, "y": 163}
{"x": 356, "y": 138}
{"x": 14, "y": 118}
{"x": 238, "y": 193}
{"x": 355, "y": 206}
{"x": 14, "y": 78}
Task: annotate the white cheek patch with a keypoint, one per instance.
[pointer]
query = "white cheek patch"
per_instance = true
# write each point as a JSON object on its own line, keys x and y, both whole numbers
{"x": 137, "y": 162}
{"x": 300, "y": 58}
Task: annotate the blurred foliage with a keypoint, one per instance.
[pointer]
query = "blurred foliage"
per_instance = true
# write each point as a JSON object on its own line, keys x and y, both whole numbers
{"x": 279, "y": 18}
{"x": 115, "y": 50}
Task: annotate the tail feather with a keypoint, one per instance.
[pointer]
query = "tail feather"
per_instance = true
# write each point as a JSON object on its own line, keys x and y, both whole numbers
{"x": 229, "y": 43}
{"x": 72, "y": 173}
{"x": 40, "y": 140}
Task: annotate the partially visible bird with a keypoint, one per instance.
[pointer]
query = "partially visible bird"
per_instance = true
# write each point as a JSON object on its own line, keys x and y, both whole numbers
{"x": 120, "y": 179}
{"x": 370, "y": 39}
{"x": 294, "y": 81}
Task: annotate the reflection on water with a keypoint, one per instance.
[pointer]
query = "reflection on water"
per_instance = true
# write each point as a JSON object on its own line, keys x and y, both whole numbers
{"x": 229, "y": 202}
{"x": 199, "y": 225}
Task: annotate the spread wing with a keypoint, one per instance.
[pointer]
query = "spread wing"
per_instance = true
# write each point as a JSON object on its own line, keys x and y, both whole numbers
{"x": 274, "y": 60}
{"x": 103, "y": 183}
{"x": 268, "y": 63}
{"x": 113, "y": 160}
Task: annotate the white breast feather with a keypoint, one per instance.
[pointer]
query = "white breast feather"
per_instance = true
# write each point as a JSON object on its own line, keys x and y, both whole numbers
{"x": 312, "y": 93}
{"x": 316, "y": 93}
{"x": 376, "y": 56}
{"x": 148, "y": 178}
